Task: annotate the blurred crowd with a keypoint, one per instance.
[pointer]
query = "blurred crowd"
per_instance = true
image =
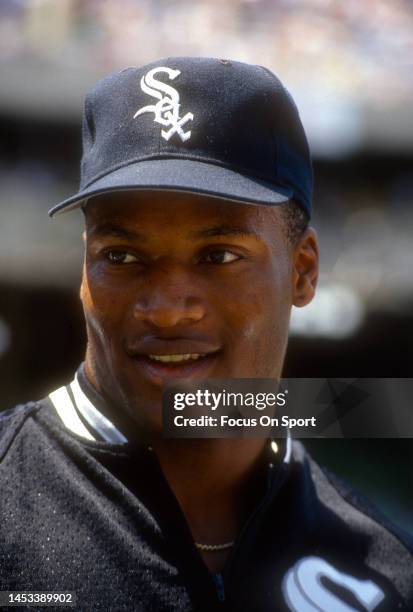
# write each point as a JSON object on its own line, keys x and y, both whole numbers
{"x": 353, "y": 49}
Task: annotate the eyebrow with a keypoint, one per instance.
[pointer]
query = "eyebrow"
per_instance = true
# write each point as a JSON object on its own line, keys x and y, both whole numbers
{"x": 225, "y": 230}
{"x": 116, "y": 231}
{"x": 111, "y": 230}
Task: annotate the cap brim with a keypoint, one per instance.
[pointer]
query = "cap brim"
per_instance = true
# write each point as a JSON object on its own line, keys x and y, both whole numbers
{"x": 182, "y": 175}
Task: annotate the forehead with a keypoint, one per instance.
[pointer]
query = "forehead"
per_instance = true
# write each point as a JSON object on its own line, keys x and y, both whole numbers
{"x": 165, "y": 211}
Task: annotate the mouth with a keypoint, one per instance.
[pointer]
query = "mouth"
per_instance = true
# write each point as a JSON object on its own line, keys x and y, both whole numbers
{"x": 176, "y": 358}
{"x": 161, "y": 368}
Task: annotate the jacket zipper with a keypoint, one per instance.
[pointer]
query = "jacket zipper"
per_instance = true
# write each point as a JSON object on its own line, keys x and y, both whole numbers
{"x": 220, "y": 586}
{"x": 272, "y": 489}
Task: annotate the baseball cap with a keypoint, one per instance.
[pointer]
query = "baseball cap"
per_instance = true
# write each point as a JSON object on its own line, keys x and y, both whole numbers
{"x": 208, "y": 126}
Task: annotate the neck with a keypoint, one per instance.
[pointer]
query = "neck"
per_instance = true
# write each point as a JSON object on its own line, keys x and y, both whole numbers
{"x": 217, "y": 482}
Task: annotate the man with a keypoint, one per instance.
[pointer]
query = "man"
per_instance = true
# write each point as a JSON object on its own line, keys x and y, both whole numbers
{"x": 196, "y": 190}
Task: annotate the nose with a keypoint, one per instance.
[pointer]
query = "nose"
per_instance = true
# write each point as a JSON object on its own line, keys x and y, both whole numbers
{"x": 170, "y": 298}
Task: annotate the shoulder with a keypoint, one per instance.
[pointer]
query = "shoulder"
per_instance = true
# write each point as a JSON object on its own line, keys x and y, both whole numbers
{"x": 347, "y": 527}
{"x": 363, "y": 505}
{"x": 352, "y": 506}
{"x": 12, "y": 421}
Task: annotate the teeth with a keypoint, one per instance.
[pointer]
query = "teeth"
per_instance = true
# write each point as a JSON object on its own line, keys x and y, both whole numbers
{"x": 176, "y": 358}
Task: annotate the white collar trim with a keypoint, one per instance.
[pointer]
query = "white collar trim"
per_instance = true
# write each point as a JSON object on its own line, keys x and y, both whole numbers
{"x": 98, "y": 422}
{"x": 68, "y": 412}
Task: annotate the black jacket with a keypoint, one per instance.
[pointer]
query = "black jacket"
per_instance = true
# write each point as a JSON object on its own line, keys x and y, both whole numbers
{"x": 100, "y": 520}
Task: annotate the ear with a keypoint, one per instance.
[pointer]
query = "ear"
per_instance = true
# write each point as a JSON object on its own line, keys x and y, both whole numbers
{"x": 305, "y": 268}
{"x": 83, "y": 282}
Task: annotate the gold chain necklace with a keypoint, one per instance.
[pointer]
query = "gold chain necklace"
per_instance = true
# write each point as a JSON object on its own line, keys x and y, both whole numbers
{"x": 228, "y": 545}
{"x": 214, "y": 547}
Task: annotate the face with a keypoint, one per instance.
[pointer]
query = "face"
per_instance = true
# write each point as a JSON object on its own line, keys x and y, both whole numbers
{"x": 184, "y": 286}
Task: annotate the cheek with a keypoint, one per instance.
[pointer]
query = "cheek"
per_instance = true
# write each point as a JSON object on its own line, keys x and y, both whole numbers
{"x": 260, "y": 297}
{"x": 257, "y": 317}
{"x": 103, "y": 307}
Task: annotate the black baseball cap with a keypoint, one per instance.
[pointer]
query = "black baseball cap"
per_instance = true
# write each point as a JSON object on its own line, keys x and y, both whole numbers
{"x": 190, "y": 124}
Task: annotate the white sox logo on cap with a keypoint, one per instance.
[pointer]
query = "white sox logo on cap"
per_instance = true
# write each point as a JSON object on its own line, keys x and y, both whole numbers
{"x": 166, "y": 110}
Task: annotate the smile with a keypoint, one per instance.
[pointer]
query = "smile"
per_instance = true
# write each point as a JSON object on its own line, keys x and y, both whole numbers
{"x": 176, "y": 358}
{"x": 159, "y": 369}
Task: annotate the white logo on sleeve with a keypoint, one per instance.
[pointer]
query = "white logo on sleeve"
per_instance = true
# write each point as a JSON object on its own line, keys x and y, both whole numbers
{"x": 304, "y": 592}
{"x": 166, "y": 110}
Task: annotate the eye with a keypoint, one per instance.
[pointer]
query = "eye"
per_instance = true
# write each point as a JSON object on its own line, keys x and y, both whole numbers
{"x": 120, "y": 257}
{"x": 220, "y": 257}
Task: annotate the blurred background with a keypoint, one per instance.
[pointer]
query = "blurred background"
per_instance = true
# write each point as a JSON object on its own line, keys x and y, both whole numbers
{"x": 349, "y": 66}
